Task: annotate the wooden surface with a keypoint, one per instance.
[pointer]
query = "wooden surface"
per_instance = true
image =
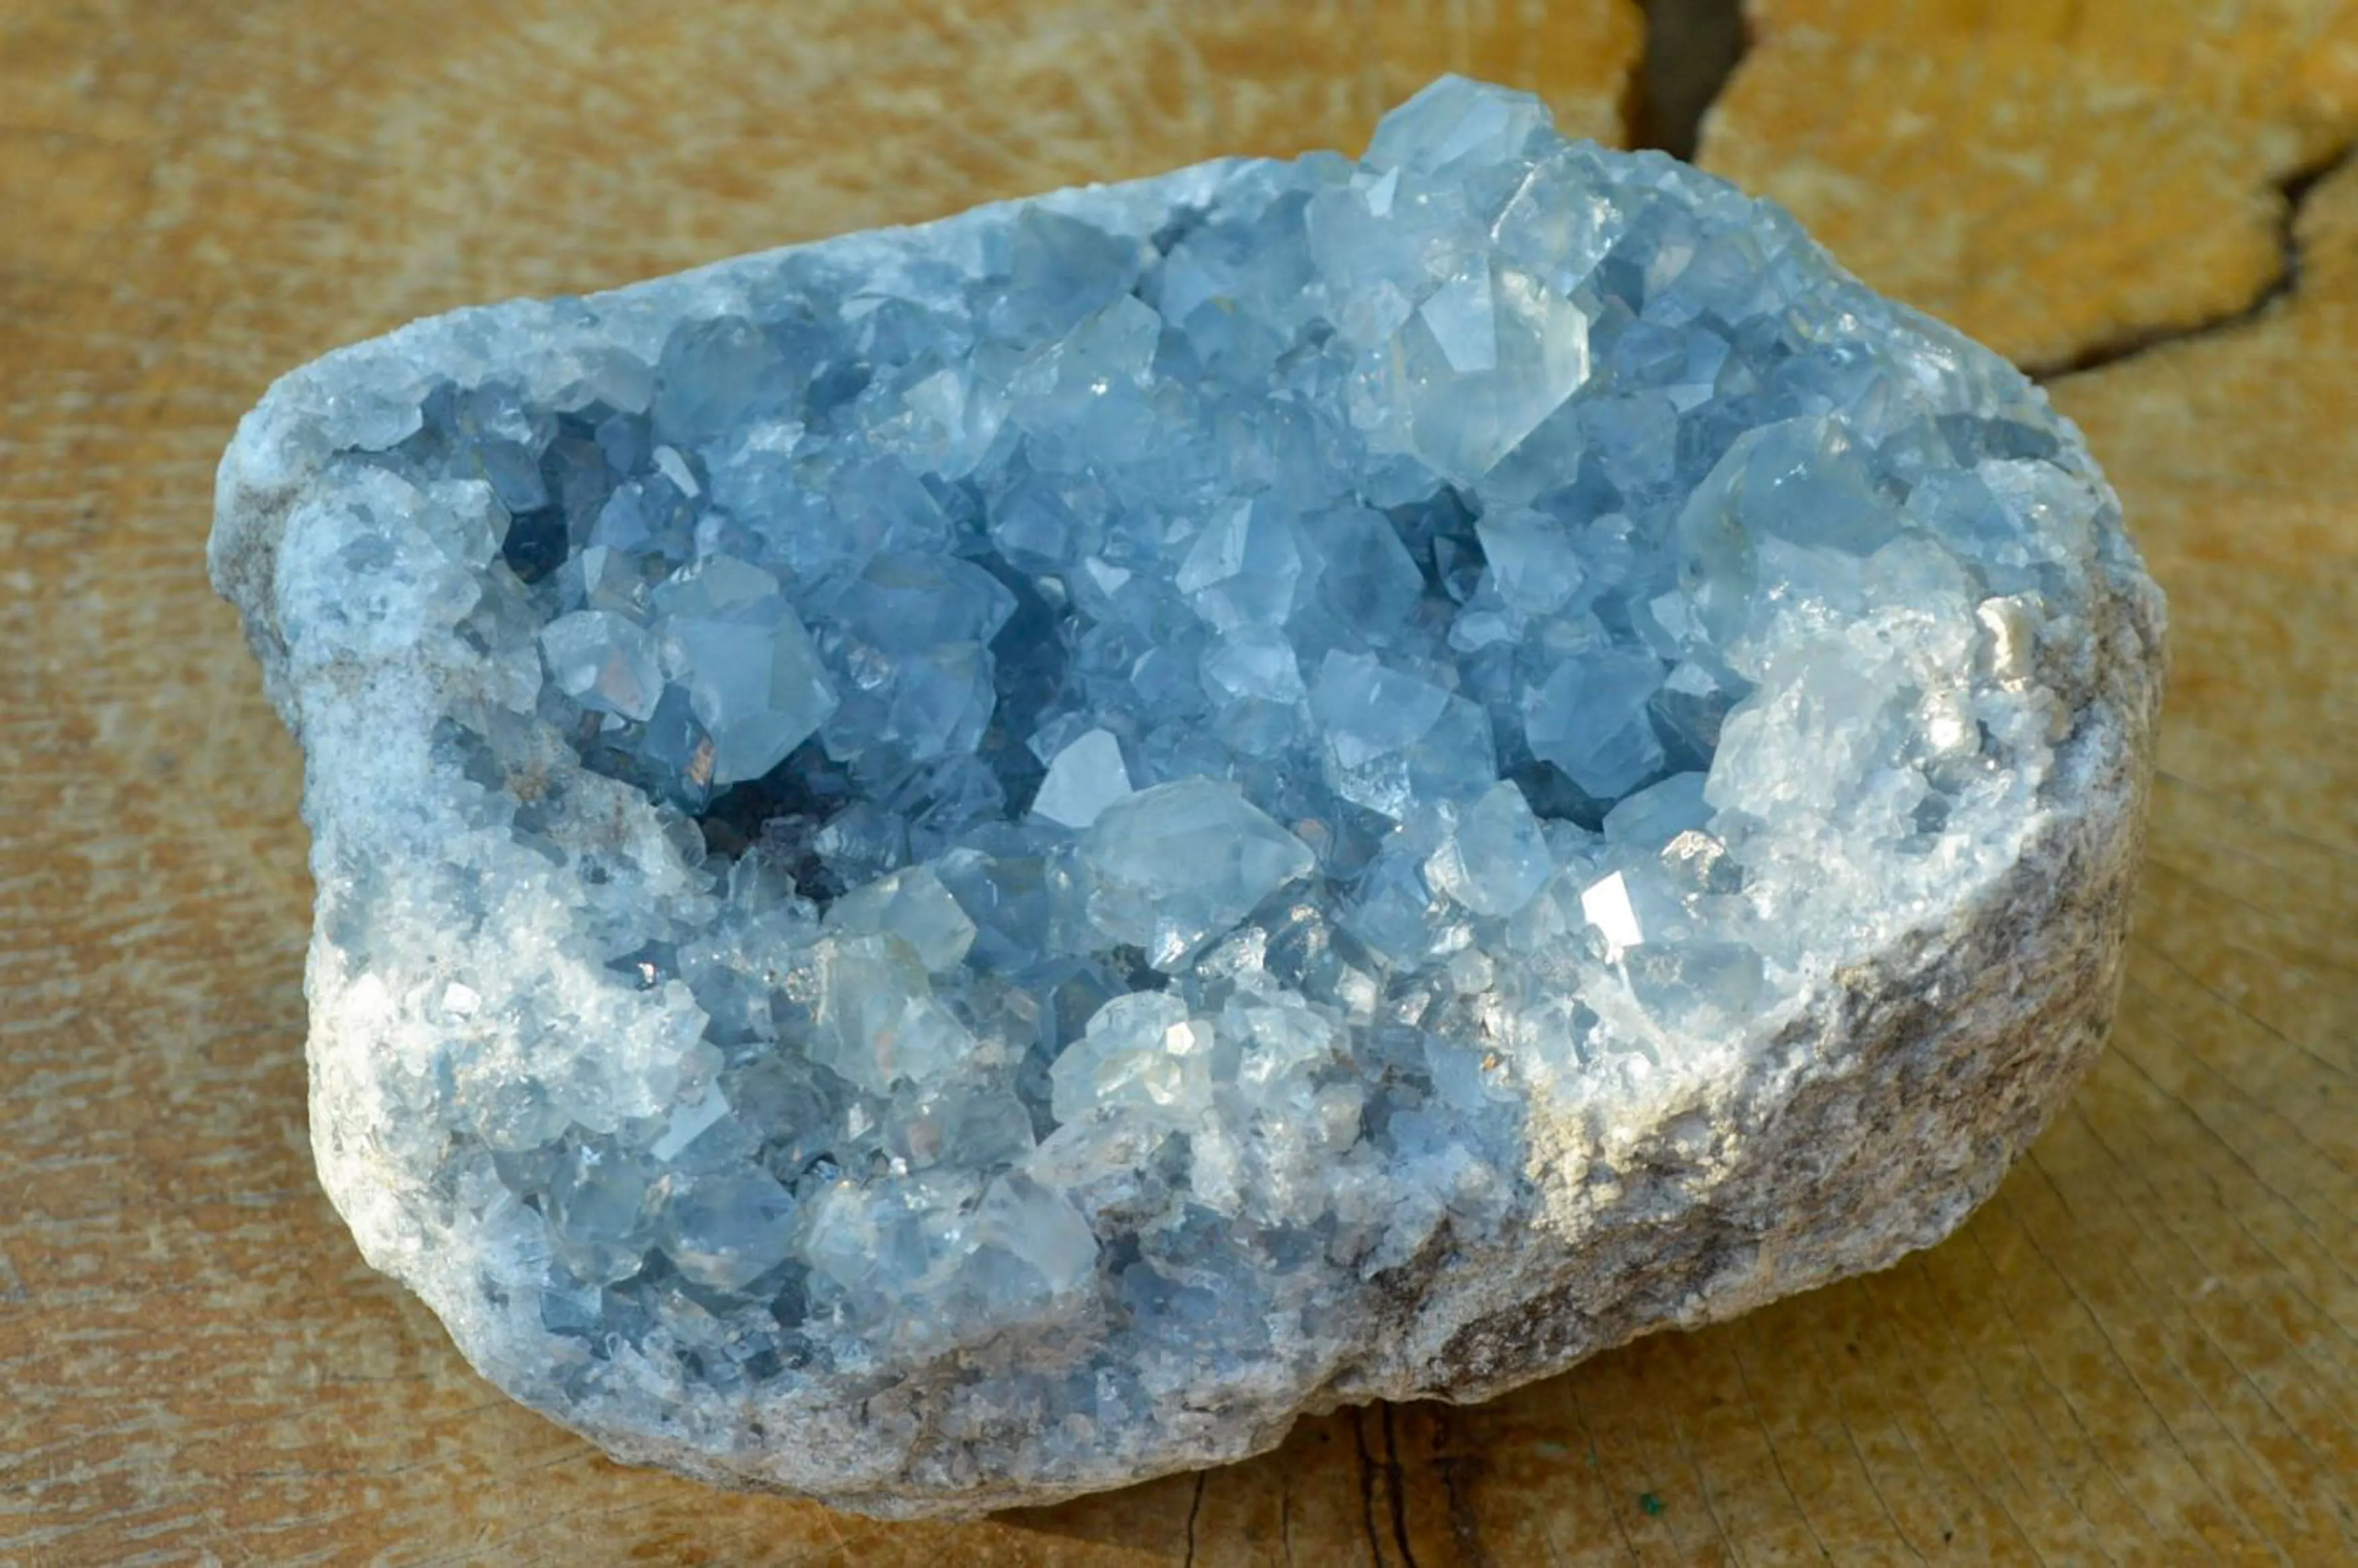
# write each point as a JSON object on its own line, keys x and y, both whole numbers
{"x": 2144, "y": 1350}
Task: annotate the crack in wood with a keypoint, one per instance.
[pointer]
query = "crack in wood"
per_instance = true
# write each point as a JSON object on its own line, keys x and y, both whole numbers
{"x": 1395, "y": 1477}
{"x": 1367, "y": 1487}
{"x": 1459, "y": 1462}
{"x": 1691, "y": 48}
{"x": 2296, "y": 189}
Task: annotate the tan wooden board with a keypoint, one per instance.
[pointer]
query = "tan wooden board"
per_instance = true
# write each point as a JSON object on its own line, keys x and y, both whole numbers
{"x": 2145, "y": 1349}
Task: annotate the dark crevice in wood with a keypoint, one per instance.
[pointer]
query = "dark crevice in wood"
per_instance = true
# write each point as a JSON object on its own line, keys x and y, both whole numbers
{"x": 1459, "y": 1460}
{"x": 2111, "y": 350}
{"x": 1396, "y": 1479}
{"x": 1367, "y": 1489}
{"x": 1691, "y": 48}
{"x": 1194, "y": 1508}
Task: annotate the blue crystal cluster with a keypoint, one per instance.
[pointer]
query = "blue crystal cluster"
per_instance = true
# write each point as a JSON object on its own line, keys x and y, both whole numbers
{"x": 1188, "y": 735}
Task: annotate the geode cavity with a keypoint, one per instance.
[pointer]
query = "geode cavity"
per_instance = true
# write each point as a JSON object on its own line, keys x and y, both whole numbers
{"x": 974, "y": 863}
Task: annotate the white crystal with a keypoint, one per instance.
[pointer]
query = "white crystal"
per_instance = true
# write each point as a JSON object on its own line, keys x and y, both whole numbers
{"x": 1608, "y": 905}
{"x": 1142, "y": 1052}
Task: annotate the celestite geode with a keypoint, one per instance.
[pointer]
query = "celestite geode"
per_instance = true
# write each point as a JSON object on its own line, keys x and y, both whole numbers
{"x": 969, "y": 863}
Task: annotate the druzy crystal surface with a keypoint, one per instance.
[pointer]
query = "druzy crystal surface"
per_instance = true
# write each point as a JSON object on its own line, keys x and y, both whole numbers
{"x": 963, "y": 864}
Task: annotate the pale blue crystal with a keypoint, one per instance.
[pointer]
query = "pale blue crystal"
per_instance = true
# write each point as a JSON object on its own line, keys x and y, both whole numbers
{"x": 1243, "y": 567}
{"x": 759, "y": 690}
{"x": 1590, "y": 718}
{"x": 1395, "y": 909}
{"x": 1456, "y": 121}
{"x": 903, "y": 604}
{"x": 1533, "y": 559}
{"x": 1696, "y": 985}
{"x": 1369, "y": 711}
{"x": 1483, "y": 360}
{"x": 1496, "y": 859}
{"x": 1174, "y": 866}
{"x": 1659, "y": 813}
{"x": 755, "y": 681}
{"x": 1163, "y": 721}
{"x": 728, "y": 1228}
{"x": 1041, "y": 1231}
{"x": 914, "y": 906}
{"x": 1253, "y": 664}
{"x": 877, "y": 1022}
{"x": 604, "y": 663}
{"x": 1086, "y": 776}
{"x": 1366, "y": 578}
{"x": 600, "y": 1202}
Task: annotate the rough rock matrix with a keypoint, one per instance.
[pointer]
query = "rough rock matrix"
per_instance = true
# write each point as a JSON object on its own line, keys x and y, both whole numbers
{"x": 971, "y": 863}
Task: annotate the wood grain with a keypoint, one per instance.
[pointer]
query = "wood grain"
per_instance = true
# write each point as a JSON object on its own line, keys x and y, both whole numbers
{"x": 2145, "y": 1349}
{"x": 2060, "y": 179}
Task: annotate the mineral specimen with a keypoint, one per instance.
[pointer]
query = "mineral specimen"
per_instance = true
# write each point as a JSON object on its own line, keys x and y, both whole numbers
{"x": 971, "y": 863}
